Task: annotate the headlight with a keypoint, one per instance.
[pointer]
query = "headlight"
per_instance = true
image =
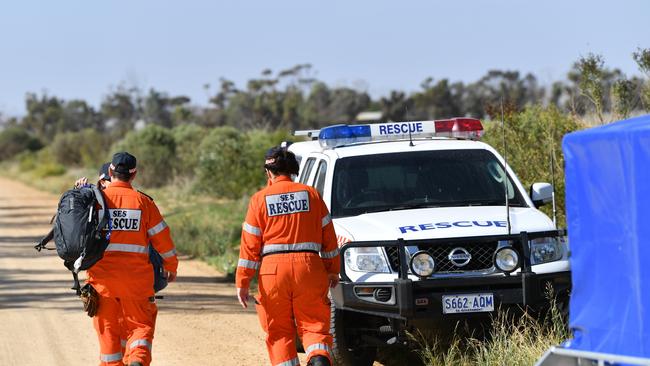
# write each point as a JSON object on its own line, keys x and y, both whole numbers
{"x": 544, "y": 250}
{"x": 367, "y": 259}
{"x": 506, "y": 259}
{"x": 422, "y": 264}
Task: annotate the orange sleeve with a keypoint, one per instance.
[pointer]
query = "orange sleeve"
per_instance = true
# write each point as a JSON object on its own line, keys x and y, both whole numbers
{"x": 160, "y": 237}
{"x": 330, "y": 249}
{"x": 251, "y": 245}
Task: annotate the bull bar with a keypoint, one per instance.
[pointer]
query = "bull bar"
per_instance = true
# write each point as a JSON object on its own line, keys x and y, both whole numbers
{"x": 516, "y": 288}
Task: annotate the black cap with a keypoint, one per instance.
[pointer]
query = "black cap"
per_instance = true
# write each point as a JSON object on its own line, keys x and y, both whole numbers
{"x": 123, "y": 162}
{"x": 279, "y": 160}
{"x": 103, "y": 172}
{"x": 271, "y": 152}
{"x": 283, "y": 145}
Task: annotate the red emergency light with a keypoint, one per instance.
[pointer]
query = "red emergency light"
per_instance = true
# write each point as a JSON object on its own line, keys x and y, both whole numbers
{"x": 469, "y": 128}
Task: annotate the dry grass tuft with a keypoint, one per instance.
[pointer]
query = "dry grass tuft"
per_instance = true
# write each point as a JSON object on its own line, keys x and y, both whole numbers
{"x": 513, "y": 340}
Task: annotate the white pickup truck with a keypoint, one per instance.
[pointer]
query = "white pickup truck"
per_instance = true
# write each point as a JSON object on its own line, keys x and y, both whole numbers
{"x": 427, "y": 232}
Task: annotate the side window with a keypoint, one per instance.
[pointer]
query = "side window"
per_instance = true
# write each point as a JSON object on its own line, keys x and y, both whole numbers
{"x": 306, "y": 170}
{"x": 320, "y": 177}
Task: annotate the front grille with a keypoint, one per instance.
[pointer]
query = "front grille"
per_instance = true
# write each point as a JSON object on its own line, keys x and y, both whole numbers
{"x": 481, "y": 256}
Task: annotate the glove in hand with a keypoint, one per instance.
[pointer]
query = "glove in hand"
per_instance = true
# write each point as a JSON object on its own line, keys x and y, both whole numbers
{"x": 90, "y": 299}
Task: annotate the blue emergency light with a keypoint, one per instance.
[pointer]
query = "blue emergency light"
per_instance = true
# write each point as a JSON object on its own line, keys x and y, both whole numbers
{"x": 340, "y": 135}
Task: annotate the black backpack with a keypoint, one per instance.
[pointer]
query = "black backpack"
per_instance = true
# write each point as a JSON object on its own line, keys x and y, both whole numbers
{"x": 81, "y": 230}
{"x": 78, "y": 218}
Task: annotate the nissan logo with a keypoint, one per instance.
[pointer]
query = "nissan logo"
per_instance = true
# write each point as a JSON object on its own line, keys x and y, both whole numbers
{"x": 459, "y": 257}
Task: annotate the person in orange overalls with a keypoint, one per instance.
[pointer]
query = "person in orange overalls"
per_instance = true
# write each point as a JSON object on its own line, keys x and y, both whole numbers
{"x": 124, "y": 277}
{"x": 103, "y": 181}
{"x": 288, "y": 234}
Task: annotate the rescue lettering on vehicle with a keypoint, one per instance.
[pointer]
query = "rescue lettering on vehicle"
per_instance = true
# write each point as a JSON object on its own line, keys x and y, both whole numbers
{"x": 287, "y": 203}
{"x": 446, "y": 225}
{"x": 125, "y": 220}
{"x": 400, "y": 128}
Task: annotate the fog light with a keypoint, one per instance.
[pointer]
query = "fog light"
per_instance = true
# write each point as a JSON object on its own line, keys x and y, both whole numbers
{"x": 506, "y": 259}
{"x": 382, "y": 294}
{"x": 422, "y": 264}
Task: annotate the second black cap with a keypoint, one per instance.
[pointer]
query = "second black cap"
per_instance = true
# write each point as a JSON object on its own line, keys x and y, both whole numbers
{"x": 103, "y": 172}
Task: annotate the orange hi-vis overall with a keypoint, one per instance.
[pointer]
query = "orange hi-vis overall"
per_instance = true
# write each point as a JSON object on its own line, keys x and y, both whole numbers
{"x": 124, "y": 276}
{"x": 289, "y": 236}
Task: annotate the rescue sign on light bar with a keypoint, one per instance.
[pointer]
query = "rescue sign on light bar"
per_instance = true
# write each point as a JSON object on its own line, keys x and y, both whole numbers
{"x": 401, "y": 129}
{"x": 339, "y": 135}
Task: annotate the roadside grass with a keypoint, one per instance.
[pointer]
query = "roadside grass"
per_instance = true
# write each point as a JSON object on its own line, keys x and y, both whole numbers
{"x": 513, "y": 340}
{"x": 209, "y": 230}
{"x": 203, "y": 227}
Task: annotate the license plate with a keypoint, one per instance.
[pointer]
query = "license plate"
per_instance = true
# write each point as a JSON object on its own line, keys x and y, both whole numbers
{"x": 467, "y": 303}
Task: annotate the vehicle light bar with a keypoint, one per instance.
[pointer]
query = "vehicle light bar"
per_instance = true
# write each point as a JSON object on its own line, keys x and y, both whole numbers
{"x": 339, "y": 135}
{"x": 309, "y": 133}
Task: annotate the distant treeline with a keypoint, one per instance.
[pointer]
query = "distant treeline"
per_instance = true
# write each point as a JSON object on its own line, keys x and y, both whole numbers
{"x": 78, "y": 134}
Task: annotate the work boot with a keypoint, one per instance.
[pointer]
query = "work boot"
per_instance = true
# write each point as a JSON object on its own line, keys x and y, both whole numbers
{"x": 319, "y": 361}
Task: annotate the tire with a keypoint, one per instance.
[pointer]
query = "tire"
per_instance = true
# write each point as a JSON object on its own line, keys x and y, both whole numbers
{"x": 342, "y": 348}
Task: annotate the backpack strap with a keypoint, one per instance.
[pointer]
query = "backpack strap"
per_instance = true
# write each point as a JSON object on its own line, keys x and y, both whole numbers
{"x": 103, "y": 214}
{"x": 76, "y": 286}
{"x": 43, "y": 242}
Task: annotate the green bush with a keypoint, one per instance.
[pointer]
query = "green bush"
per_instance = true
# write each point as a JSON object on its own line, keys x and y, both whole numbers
{"x": 187, "y": 138}
{"x": 27, "y": 160}
{"x": 14, "y": 140}
{"x": 155, "y": 150}
{"x": 30, "y": 160}
{"x": 231, "y": 163}
{"x": 83, "y": 148}
{"x": 261, "y": 140}
{"x": 40, "y": 164}
{"x": 64, "y": 147}
{"x": 257, "y": 143}
{"x": 49, "y": 169}
{"x": 532, "y": 136}
{"x": 223, "y": 163}
{"x": 93, "y": 148}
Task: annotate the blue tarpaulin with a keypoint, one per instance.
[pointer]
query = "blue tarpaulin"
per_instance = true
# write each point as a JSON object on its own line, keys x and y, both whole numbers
{"x": 607, "y": 172}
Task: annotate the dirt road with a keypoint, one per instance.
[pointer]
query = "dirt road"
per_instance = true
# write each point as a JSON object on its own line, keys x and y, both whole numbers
{"x": 41, "y": 321}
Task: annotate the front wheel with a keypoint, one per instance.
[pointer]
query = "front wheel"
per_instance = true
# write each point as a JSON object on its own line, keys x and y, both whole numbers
{"x": 345, "y": 351}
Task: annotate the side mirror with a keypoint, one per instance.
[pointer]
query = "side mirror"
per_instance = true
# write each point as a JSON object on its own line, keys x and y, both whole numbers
{"x": 541, "y": 193}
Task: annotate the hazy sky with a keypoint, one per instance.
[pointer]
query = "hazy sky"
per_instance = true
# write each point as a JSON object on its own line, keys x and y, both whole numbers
{"x": 82, "y": 49}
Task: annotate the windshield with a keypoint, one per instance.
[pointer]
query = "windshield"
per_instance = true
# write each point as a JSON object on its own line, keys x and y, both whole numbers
{"x": 397, "y": 181}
